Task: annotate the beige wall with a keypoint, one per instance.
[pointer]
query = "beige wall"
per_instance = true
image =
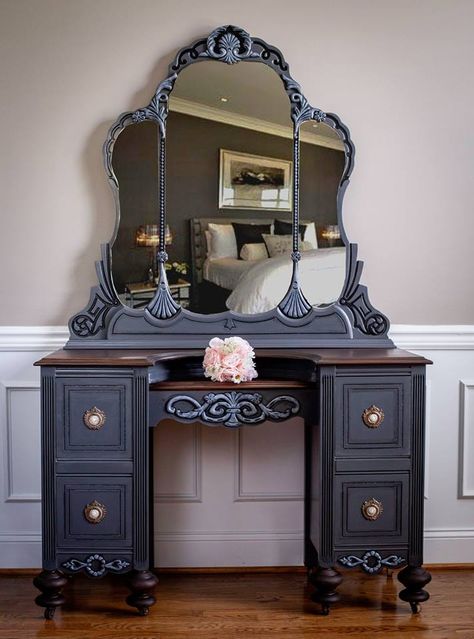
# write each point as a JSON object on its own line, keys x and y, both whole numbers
{"x": 398, "y": 73}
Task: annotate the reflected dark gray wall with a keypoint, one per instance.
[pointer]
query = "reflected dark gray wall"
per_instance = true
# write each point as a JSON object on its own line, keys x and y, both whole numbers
{"x": 193, "y": 180}
{"x": 135, "y": 162}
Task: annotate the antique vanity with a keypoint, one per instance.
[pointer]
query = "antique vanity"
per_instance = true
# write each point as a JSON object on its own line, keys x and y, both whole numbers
{"x": 229, "y": 128}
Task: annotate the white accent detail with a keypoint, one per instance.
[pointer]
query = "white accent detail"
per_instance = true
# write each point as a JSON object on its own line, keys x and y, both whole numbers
{"x": 466, "y": 443}
{"x": 180, "y": 105}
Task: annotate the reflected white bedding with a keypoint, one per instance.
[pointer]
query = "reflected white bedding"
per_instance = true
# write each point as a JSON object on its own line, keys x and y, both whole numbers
{"x": 265, "y": 283}
{"x": 226, "y": 271}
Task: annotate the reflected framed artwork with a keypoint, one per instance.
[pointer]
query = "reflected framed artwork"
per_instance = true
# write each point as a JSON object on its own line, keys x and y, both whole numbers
{"x": 254, "y": 182}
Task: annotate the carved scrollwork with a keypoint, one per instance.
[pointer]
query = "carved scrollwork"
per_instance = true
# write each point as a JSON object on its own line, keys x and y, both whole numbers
{"x": 295, "y": 305}
{"x": 372, "y": 561}
{"x": 163, "y": 306}
{"x": 92, "y": 320}
{"x": 95, "y": 565}
{"x": 302, "y": 111}
{"x": 233, "y": 409}
{"x": 229, "y": 44}
{"x": 157, "y": 110}
{"x": 367, "y": 319}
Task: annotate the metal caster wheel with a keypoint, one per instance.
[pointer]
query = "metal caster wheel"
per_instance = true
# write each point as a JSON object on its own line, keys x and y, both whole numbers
{"x": 143, "y": 611}
{"x": 415, "y": 607}
{"x": 325, "y": 610}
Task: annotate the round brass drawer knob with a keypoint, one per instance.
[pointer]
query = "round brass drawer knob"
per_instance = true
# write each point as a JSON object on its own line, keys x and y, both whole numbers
{"x": 373, "y": 416}
{"x": 95, "y": 512}
{"x": 372, "y": 509}
{"x": 94, "y": 418}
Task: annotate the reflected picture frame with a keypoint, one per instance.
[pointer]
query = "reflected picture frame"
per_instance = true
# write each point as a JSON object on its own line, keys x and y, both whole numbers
{"x": 254, "y": 182}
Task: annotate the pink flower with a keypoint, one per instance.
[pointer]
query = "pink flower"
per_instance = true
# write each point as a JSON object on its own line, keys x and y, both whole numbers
{"x": 229, "y": 360}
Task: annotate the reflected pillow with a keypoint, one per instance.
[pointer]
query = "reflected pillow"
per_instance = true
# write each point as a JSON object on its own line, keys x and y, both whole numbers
{"x": 307, "y": 231}
{"x": 223, "y": 242}
{"x": 255, "y": 251}
{"x": 283, "y": 245}
{"x": 286, "y": 228}
{"x": 250, "y": 233}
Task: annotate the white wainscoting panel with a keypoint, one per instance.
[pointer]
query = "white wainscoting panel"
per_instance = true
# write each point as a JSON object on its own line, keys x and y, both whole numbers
{"x": 23, "y": 439}
{"x": 227, "y": 498}
{"x": 259, "y": 452}
{"x": 466, "y": 457}
{"x": 177, "y": 462}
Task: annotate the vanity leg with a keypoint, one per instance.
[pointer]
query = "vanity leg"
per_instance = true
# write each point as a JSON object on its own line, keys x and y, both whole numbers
{"x": 326, "y": 581}
{"x": 142, "y": 583}
{"x": 414, "y": 578}
{"x": 51, "y": 583}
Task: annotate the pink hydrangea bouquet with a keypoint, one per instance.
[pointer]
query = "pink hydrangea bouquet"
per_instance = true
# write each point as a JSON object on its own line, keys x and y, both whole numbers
{"x": 229, "y": 360}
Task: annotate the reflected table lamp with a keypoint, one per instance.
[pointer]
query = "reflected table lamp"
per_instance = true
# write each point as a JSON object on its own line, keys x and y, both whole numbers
{"x": 331, "y": 234}
{"x": 148, "y": 236}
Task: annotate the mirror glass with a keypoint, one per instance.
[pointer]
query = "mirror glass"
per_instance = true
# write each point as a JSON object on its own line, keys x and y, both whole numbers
{"x": 229, "y": 176}
{"x": 322, "y": 267}
{"x": 135, "y": 164}
{"x": 229, "y": 158}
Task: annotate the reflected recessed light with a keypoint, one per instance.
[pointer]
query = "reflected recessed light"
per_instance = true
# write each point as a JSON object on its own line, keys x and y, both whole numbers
{"x": 223, "y": 99}
{"x": 315, "y": 126}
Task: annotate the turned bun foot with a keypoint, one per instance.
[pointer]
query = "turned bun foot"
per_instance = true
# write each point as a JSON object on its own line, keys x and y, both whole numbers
{"x": 326, "y": 581}
{"x": 51, "y": 583}
{"x": 414, "y": 578}
{"x": 142, "y": 584}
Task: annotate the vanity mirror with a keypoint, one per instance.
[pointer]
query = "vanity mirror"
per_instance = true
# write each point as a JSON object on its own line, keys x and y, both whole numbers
{"x": 228, "y": 189}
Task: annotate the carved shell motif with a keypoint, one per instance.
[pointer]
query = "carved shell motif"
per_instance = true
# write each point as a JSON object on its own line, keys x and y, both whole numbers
{"x": 229, "y": 44}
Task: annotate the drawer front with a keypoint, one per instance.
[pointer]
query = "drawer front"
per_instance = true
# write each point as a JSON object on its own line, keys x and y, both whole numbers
{"x": 371, "y": 510}
{"x": 92, "y": 417}
{"x": 94, "y": 512}
{"x": 375, "y": 414}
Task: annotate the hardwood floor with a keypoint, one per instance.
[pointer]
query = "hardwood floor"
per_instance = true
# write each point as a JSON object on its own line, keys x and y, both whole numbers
{"x": 230, "y": 606}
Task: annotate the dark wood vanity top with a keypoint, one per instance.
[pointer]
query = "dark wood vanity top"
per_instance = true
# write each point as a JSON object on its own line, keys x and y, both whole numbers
{"x": 150, "y": 357}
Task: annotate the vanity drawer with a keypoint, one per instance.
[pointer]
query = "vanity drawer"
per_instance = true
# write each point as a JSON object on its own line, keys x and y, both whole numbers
{"x": 94, "y": 510}
{"x": 371, "y": 510}
{"x": 375, "y": 414}
{"x": 92, "y": 417}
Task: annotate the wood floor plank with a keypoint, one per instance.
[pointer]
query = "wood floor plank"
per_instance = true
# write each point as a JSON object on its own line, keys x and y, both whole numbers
{"x": 237, "y": 606}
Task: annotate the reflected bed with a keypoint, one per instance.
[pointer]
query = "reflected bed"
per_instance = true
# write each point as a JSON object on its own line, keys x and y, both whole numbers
{"x": 258, "y": 286}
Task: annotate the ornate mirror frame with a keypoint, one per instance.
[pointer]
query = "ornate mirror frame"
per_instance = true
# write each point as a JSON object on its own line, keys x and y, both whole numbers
{"x": 349, "y": 322}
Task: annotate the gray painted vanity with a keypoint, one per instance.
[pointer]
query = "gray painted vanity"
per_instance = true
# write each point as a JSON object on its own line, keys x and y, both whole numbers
{"x": 329, "y": 361}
